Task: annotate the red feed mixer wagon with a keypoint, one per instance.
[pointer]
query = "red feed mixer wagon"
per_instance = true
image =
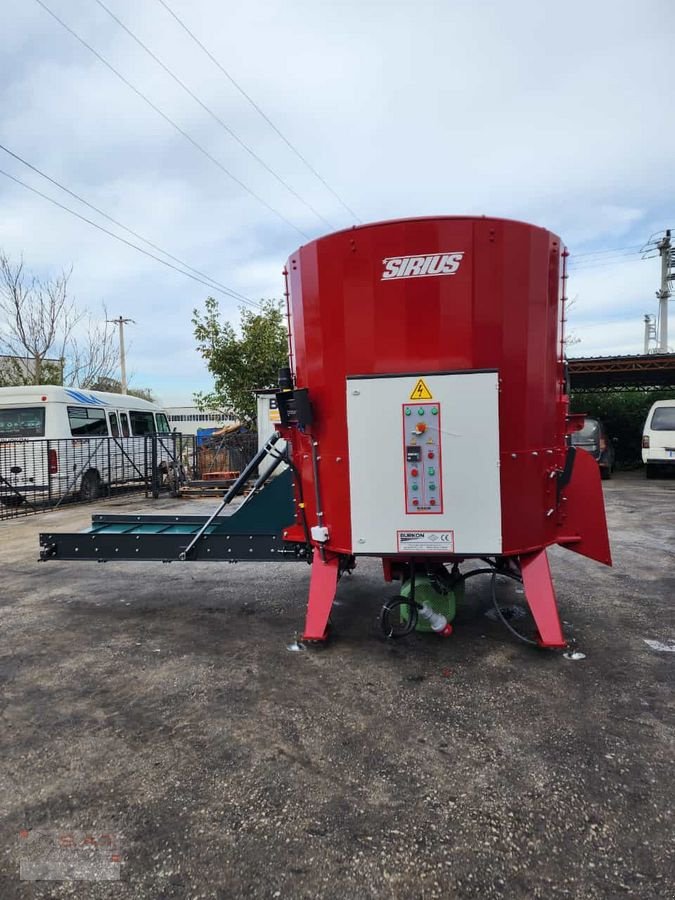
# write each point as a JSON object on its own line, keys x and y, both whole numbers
{"x": 430, "y": 406}
{"x": 425, "y": 415}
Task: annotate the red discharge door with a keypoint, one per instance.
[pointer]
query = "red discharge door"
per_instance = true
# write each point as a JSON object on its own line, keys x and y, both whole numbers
{"x": 427, "y": 413}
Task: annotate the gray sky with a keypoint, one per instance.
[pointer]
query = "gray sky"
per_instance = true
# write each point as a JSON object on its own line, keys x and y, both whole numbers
{"x": 558, "y": 114}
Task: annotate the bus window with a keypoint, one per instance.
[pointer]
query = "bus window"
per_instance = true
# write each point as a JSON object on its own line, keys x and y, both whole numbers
{"x": 114, "y": 425}
{"x": 86, "y": 422}
{"x": 28, "y": 421}
{"x": 142, "y": 422}
{"x": 125, "y": 424}
{"x": 162, "y": 424}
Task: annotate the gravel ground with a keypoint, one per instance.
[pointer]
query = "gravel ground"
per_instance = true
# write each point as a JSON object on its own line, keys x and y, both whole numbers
{"x": 160, "y": 703}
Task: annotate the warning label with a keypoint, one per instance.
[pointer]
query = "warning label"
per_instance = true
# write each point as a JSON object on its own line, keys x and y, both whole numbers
{"x": 421, "y": 391}
{"x": 425, "y": 541}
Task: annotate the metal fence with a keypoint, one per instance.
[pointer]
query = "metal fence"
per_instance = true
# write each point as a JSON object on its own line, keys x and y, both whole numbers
{"x": 36, "y": 475}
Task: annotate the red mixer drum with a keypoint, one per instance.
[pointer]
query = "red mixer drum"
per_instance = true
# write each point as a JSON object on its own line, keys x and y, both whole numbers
{"x": 427, "y": 413}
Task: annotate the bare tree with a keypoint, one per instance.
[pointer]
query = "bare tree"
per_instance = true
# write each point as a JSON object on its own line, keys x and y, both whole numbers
{"x": 39, "y": 317}
{"x": 45, "y": 337}
{"x": 91, "y": 356}
{"x": 571, "y": 337}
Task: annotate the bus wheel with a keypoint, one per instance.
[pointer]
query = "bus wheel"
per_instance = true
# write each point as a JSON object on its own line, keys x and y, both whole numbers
{"x": 90, "y": 488}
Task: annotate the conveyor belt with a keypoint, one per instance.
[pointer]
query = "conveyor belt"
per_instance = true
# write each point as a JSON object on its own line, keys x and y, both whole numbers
{"x": 254, "y": 531}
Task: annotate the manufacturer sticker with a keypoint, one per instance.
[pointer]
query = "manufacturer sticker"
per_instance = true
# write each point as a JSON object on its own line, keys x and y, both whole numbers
{"x": 421, "y": 391}
{"x": 426, "y": 266}
{"x": 425, "y": 541}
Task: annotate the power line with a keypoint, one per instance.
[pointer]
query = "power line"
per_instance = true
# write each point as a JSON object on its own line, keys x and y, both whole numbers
{"x": 128, "y": 243}
{"x": 119, "y": 224}
{"x": 626, "y": 257}
{"x": 260, "y": 111}
{"x": 598, "y": 252}
{"x": 214, "y": 115}
{"x": 600, "y": 259}
{"x": 171, "y": 122}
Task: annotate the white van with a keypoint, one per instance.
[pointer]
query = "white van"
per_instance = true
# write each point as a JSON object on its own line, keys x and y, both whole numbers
{"x": 57, "y": 442}
{"x": 658, "y": 438}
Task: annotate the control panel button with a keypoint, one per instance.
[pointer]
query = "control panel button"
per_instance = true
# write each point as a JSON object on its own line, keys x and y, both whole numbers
{"x": 422, "y": 474}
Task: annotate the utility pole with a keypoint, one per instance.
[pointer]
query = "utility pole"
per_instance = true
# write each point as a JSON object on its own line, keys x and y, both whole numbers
{"x": 664, "y": 247}
{"x": 121, "y": 322}
{"x": 656, "y": 327}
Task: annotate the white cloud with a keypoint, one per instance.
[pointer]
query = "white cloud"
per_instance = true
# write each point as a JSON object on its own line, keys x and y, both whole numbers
{"x": 406, "y": 108}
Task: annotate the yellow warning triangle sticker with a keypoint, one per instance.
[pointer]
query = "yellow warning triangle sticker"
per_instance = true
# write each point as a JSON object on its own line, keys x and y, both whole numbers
{"x": 421, "y": 391}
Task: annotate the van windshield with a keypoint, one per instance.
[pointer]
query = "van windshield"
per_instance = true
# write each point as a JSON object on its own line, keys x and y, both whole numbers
{"x": 663, "y": 418}
{"x": 28, "y": 421}
{"x": 588, "y": 433}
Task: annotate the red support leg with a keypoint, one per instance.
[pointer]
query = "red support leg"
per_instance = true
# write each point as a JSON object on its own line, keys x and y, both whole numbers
{"x": 540, "y": 596}
{"x": 322, "y": 588}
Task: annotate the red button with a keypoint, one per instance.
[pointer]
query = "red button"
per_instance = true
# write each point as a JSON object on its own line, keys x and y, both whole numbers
{"x": 430, "y": 454}
{"x": 421, "y": 427}
{"x": 433, "y": 502}
{"x": 414, "y": 473}
{"x": 416, "y": 502}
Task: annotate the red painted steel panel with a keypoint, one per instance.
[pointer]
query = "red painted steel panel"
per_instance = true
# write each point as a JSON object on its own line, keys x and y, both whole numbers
{"x": 501, "y": 309}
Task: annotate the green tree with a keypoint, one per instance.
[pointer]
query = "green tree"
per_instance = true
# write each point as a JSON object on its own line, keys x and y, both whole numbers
{"x": 240, "y": 363}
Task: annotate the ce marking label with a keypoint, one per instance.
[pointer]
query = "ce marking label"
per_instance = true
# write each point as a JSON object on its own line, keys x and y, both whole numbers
{"x": 412, "y": 541}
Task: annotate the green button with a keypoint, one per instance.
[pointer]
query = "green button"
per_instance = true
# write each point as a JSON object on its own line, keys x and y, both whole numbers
{"x": 432, "y": 471}
{"x": 421, "y": 410}
{"x": 414, "y": 487}
{"x": 434, "y": 411}
{"x": 432, "y": 487}
{"x": 407, "y": 410}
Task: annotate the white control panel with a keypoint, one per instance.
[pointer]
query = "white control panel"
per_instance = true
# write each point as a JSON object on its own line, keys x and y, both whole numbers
{"x": 424, "y": 464}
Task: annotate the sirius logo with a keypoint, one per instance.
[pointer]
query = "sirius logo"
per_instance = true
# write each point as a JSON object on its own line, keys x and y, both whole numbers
{"x": 421, "y": 266}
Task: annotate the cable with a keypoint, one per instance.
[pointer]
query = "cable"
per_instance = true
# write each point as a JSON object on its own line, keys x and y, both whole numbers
{"x": 213, "y": 115}
{"x": 517, "y": 634}
{"x": 105, "y": 215}
{"x": 124, "y": 241}
{"x": 171, "y": 122}
{"x": 627, "y": 257}
{"x": 259, "y": 110}
{"x": 611, "y": 250}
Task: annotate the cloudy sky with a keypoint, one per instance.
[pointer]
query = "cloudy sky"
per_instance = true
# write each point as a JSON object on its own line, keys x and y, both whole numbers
{"x": 558, "y": 114}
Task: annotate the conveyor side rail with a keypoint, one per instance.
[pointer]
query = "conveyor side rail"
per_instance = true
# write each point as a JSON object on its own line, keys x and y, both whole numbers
{"x": 166, "y": 543}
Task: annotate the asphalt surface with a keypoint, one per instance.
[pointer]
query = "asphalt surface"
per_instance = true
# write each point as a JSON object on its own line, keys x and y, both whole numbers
{"x": 160, "y": 704}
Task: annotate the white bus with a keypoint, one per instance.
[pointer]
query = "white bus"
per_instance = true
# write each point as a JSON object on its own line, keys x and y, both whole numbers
{"x": 57, "y": 442}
